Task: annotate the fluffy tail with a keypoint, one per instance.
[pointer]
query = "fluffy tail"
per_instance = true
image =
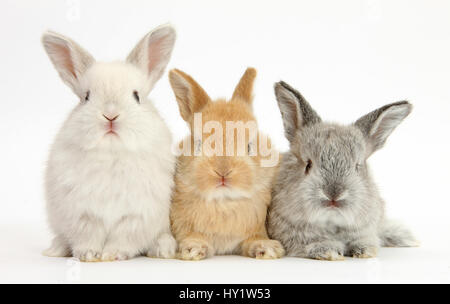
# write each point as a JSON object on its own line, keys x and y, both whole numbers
{"x": 394, "y": 234}
{"x": 58, "y": 249}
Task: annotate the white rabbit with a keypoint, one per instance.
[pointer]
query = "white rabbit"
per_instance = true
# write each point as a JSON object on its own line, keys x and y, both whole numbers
{"x": 109, "y": 177}
{"x": 325, "y": 204}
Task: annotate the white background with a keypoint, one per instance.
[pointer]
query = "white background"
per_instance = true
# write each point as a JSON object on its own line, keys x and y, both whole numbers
{"x": 347, "y": 57}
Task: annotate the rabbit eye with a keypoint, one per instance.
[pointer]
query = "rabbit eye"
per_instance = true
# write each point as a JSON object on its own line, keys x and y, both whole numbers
{"x": 136, "y": 96}
{"x": 308, "y": 166}
{"x": 88, "y": 94}
{"x": 198, "y": 146}
{"x": 250, "y": 149}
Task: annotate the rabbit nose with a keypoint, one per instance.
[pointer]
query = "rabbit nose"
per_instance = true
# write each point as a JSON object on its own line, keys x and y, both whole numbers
{"x": 223, "y": 175}
{"x": 334, "y": 191}
{"x": 111, "y": 119}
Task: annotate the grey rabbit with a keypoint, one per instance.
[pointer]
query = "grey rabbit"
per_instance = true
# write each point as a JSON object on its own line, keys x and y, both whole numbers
{"x": 325, "y": 204}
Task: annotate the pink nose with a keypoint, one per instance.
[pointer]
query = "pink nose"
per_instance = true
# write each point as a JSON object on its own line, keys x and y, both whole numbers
{"x": 111, "y": 119}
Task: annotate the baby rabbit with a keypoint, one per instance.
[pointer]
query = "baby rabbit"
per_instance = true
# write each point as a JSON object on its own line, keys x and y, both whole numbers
{"x": 110, "y": 173}
{"x": 325, "y": 205}
{"x": 220, "y": 201}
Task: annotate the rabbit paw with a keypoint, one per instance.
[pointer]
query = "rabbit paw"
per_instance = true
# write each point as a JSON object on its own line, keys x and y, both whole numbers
{"x": 59, "y": 248}
{"x": 87, "y": 256}
{"x": 194, "y": 250}
{"x": 116, "y": 256}
{"x": 266, "y": 249}
{"x": 325, "y": 252}
{"x": 329, "y": 255}
{"x": 166, "y": 247}
{"x": 364, "y": 252}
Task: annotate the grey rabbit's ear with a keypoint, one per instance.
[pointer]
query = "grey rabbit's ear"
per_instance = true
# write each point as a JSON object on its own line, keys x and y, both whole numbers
{"x": 70, "y": 60}
{"x": 295, "y": 110}
{"x": 379, "y": 124}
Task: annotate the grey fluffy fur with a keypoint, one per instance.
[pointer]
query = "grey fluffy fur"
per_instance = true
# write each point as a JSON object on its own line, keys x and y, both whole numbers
{"x": 301, "y": 216}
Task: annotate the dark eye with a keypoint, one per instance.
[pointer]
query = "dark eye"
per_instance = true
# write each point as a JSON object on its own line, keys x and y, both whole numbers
{"x": 198, "y": 146}
{"x": 88, "y": 94}
{"x": 358, "y": 167}
{"x": 308, "y": 166}
{"x": 136, "y": 96}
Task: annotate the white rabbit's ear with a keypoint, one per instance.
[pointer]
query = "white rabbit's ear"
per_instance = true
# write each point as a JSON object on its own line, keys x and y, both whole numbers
{"x": 152, "y": 53}
{"x": 379, "y": 124}
{"x": 295, "y": 110}
{"x": 70, "y": 60}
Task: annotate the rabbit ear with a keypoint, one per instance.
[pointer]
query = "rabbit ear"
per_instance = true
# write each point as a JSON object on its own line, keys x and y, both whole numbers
{"x": 190, "y": 95}
{"x": 70, "y": 60}
{"x": 153, "y": 52}
{"x": 379, "y": 124}
{"x": 295, "y": 110}
{"x": 244, "y": 89}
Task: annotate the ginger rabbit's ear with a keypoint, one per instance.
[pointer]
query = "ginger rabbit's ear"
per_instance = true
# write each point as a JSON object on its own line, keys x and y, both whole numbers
{"x": 190, "y": 95}
{"x": 244, "y": 89}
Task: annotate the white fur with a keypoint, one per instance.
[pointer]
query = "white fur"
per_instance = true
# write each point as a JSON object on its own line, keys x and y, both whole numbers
{"x": 108, "y": 196}
{"x": 224, "y": 194}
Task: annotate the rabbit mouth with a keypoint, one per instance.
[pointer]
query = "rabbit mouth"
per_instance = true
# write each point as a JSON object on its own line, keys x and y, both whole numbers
{"x": 111, "y": 132}
{"x": 332, "y": 204}
{"x": 223, "y": 179}
{"x": 223, "y": 183}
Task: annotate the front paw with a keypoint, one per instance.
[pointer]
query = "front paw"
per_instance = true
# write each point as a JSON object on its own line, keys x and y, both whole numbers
{"x": 325, "y": 252}
{"x": 265, "y": 249}
{"x": 113, "y": 256}
{"x": 87, "y": 256}
{"x": 119, "y": 252}
{"x": 364, "y": 252}
{"x": 194, "y": 250}
{"x": 166, "y": 247}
